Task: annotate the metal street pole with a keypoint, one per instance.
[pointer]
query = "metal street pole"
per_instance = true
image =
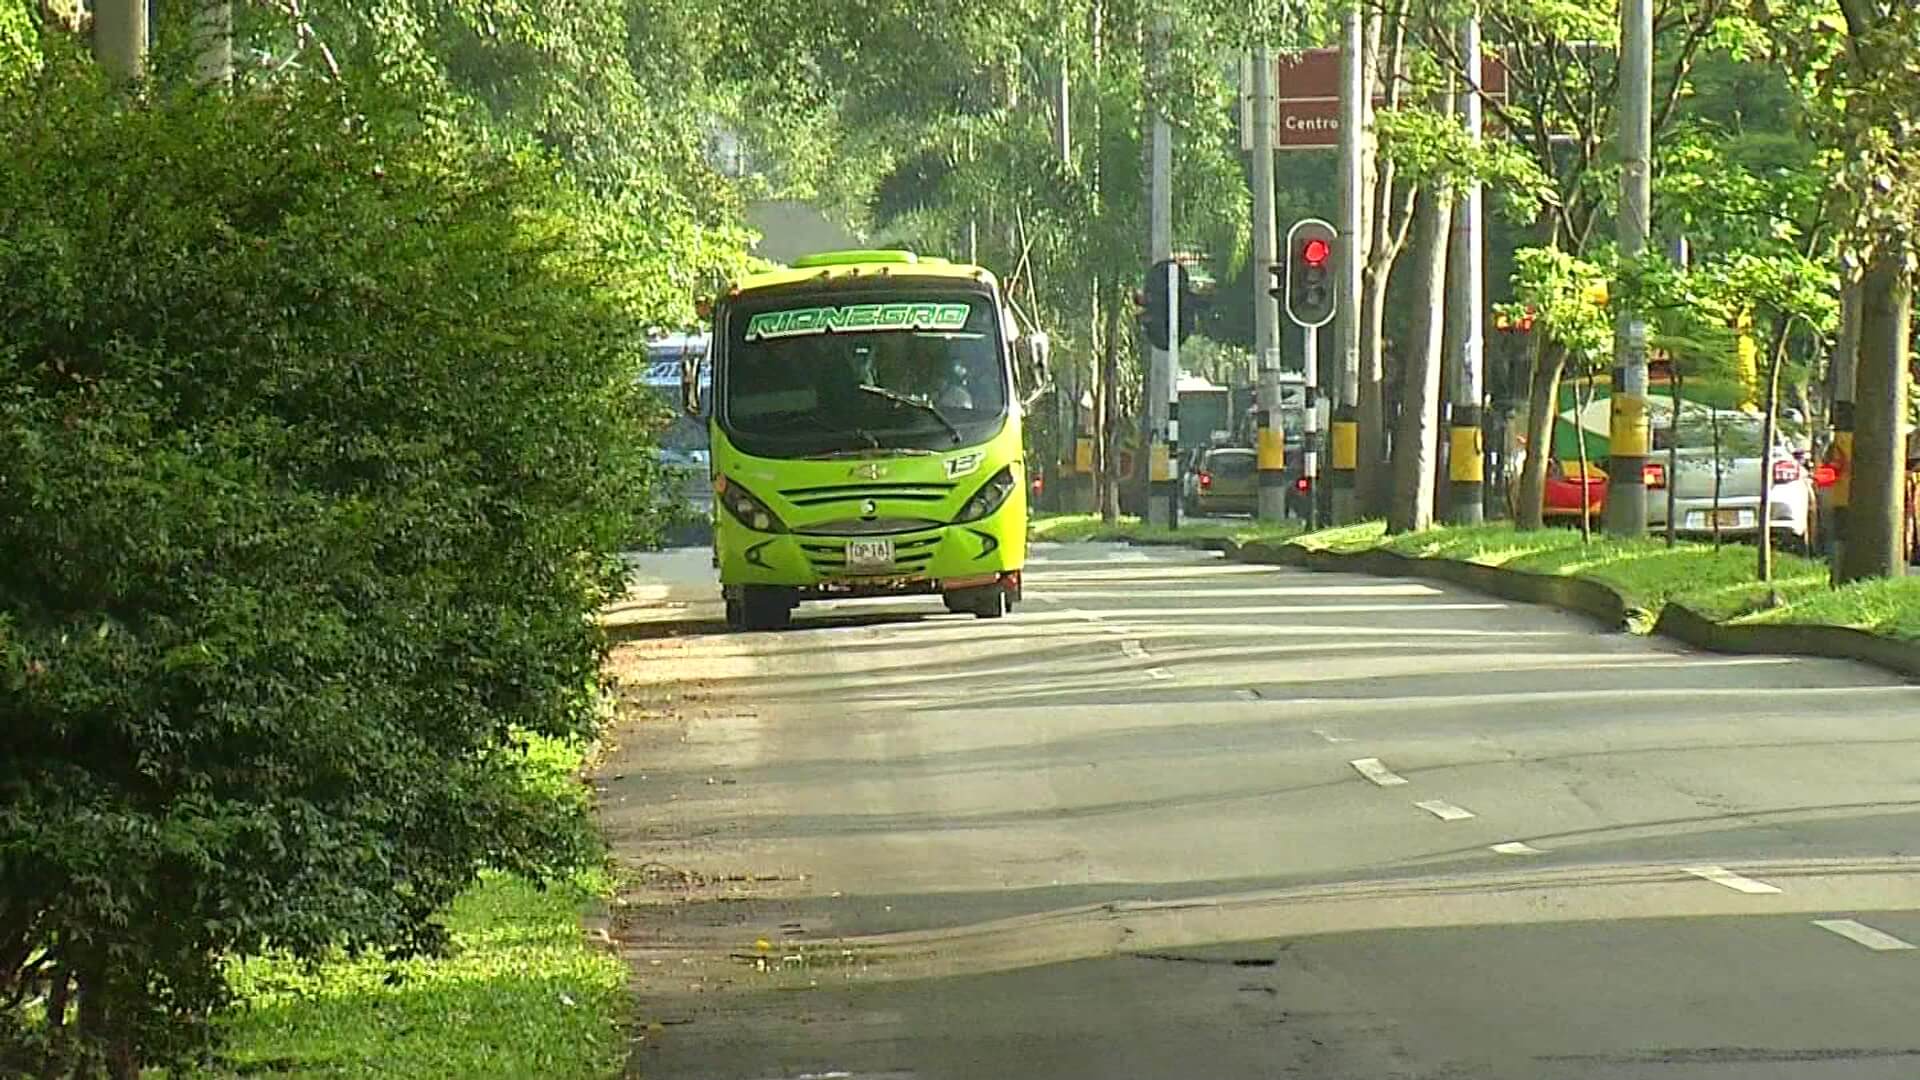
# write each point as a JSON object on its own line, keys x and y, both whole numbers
{"x": 1630, "y": 439}
{"x": 1310, "y": 437}
{"x": 1163, "y": 490}
{"x": 1271, "y": 440}
{"x": 120, "y": 37}
{"x": 1066, "y": 373}
{"x": 1352, "y": 245}
{"x": 1466, "y": 456}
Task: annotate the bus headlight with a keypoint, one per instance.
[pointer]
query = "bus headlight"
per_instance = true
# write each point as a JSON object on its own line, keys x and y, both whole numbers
{"x": 745, "y": 508}
{"x": 991, "y": 497}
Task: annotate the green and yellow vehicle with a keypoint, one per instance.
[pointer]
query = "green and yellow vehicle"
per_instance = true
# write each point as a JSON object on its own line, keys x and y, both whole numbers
{"x": 865, "y": 436}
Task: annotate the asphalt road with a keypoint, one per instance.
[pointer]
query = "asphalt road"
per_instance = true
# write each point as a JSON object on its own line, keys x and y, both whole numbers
{"x": 1183, "y": 818}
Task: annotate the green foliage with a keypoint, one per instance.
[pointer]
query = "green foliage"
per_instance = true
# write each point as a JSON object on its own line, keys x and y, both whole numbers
{"x": 520, "y": 992}
{"x": 321, "y": 438}
{"x": 19, "y": 41}
{"x": 1562, "y": 290}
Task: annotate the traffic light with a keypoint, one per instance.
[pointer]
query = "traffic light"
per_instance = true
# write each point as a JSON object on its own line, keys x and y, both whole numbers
{"x": 1311, "y": 296}
{"x": 1157, "y": 301}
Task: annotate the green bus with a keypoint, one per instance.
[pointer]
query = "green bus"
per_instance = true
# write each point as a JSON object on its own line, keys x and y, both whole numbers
{"x": 865, "y": 436}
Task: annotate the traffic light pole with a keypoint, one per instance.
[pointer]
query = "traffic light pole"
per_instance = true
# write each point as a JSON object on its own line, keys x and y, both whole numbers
{"x": 1630, "y": 440}
{"x": 1163, "y": 484}
{"x": 1310, "y": 440}
{"x": 1353, "y": 121}
{"x": 1270, "y": 440}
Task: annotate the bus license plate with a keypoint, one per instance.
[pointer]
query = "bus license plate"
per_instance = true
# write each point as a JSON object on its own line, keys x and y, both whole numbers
{"x": 869, "y": 554}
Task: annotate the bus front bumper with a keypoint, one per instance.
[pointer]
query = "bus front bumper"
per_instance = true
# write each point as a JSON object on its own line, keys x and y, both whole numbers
{"x": 931, "y": 560}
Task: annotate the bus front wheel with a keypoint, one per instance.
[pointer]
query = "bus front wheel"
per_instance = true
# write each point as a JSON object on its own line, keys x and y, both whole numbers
{"x": 760, "y": 607}
{"x": 988, "y": 602}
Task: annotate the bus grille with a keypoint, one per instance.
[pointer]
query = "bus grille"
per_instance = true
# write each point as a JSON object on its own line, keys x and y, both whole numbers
{"x": 853, "y": 493}
{"x": 908, "y": 555}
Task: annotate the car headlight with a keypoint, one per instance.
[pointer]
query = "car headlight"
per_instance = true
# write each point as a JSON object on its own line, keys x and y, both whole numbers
{"x": 991, "y": 497}
{"x": 745, "y": 508}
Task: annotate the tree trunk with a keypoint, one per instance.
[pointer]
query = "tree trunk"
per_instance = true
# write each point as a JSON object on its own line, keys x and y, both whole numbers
{"x": 1719, "y": 470}
{"x": 1875, "y": 544}
{"x": 1543, "y": 409}
{"x": 1110, "y": 416}
{"x": 1583, "y": 400}
{"x": 1673, "y": 456}
{"x": 1373, "y": 476}
{"x": 1416, "y": 451}
{"x": 1769, "y": 424}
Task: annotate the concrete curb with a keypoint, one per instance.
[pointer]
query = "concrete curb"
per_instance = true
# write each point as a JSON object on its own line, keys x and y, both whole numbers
{"x": 1829, "y": 642}
{"x": 1597, "y": 601}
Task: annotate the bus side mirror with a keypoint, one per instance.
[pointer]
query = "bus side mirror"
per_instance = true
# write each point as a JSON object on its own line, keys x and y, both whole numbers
{"x": 1036, "y": 351}
{"x": 690, "y": 384}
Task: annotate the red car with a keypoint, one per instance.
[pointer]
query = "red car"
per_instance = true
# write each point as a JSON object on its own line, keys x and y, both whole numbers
{"x": 1563, "y": 491}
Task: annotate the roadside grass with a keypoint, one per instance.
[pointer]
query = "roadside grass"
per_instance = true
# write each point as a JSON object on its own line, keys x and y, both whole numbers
{"x": 1715, "y": 582}
{"x": 521, "y": 993}
{"x": 1088, "y": 528}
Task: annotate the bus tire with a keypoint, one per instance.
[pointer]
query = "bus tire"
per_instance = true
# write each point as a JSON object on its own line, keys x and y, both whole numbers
{"x": 763, "y": 608}
{"x": 992, "y": 603}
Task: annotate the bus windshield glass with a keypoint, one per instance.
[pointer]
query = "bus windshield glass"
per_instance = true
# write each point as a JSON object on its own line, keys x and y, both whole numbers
{"x": 834, "y": 375}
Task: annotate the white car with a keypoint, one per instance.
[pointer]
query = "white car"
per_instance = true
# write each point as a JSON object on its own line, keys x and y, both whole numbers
{"x": 1735, "y": 512}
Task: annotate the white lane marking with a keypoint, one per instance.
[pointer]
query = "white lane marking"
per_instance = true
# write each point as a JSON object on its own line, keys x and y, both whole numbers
{"x": 1373, "y": 769}
{"x": 1330, "y": 736}
{"x": 1444, "y": 810}
{"x": 1159, "y": 673}
{"x": 1516, "y": 847}
{"x": 1133, "y": 649}
{"x": 1720, "y": 875}
{"x": 1877, "y": 940}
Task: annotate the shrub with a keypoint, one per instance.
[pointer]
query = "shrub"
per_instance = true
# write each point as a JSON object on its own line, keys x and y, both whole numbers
{"x": 318, "y": 437}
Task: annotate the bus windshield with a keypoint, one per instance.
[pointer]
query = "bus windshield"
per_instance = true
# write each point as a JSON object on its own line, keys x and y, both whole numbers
{"x": 822, "y": 376}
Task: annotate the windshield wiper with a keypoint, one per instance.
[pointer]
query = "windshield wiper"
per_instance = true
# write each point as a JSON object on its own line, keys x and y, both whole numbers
{"x": 918, "y": 406}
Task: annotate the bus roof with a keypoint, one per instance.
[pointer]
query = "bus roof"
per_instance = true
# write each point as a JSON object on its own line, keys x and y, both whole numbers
{"x": 837, "y": 266}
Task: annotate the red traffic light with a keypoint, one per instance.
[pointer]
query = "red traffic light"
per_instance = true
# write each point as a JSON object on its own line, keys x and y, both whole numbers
{"x": 1315, "y": 252}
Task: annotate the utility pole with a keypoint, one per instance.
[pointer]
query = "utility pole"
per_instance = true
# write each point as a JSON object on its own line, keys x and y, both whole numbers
{"x": 1271, "y": 440}
{"x": 1066, "y": 374}
{"x": 1353, "y": 119}
{"x": 1163, "y": 488}
{"x": 1630, "y": 440}
{"x": 120, "y": 37}
{"x": 1466, "y": 445}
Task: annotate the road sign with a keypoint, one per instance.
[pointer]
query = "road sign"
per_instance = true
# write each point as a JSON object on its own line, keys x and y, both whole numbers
{"x": 1307, "y": 98}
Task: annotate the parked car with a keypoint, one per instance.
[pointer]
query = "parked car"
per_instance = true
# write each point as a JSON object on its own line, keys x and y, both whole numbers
{"x": 1560, "y": 503}
{"x": 1738, "y": 465}
{"x": 1223, "y": 481}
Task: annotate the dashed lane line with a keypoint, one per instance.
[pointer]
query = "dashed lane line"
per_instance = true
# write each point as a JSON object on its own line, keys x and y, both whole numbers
{"x": 1720, "y": 875}
{"x": 1861, "y": 933}
{"x": 1515, "y": 847}
{"x": 1373, "y": 769}
{"x": 1444, "y": 810}
{"x": 1330, "y": 736}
